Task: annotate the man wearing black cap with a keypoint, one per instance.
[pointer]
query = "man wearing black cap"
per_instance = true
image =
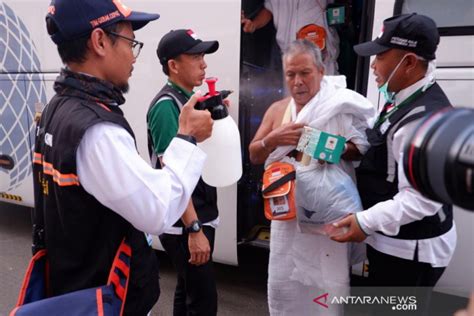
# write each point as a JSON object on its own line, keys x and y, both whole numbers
{"x": 92, "y": 189}
{"x": 190, "y": 242}
{"x": 410, "y": 238}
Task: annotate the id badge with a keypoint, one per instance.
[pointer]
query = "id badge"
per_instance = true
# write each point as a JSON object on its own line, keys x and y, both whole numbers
{"x": 279, "y": 205}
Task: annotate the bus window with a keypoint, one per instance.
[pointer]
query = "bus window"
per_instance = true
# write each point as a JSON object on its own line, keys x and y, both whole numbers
{"x": 454, "y": 19}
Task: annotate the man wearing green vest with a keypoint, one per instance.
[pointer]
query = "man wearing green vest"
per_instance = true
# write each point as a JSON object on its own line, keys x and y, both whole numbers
{"x": 190, "y": 241}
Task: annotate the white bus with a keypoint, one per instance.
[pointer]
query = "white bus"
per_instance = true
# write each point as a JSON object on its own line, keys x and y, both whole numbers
{"x": 248, "y": 64}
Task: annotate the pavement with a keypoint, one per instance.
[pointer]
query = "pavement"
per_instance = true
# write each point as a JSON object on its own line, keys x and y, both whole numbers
{"x": 241, "y": 290}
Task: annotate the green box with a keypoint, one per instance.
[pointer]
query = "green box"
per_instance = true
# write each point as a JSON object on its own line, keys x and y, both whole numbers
{"x": 321, "y": 145}
{"x": 329, "y": 148}
{"x": 336, "y": 15}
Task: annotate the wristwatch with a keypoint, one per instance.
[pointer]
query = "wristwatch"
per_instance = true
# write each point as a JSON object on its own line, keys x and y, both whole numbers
{"x": 195, "y": 227}
{"x": 187, "y": 138}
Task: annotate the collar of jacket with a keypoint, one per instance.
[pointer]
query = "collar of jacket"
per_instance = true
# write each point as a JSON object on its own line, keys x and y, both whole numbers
{"x": 83, "y": 86}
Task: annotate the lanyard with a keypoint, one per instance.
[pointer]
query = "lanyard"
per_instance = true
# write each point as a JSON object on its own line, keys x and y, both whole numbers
{"x": 413, "y": 96}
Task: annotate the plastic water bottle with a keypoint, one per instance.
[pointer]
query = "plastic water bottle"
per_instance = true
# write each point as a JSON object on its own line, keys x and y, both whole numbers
{"x": 223, "y": 165}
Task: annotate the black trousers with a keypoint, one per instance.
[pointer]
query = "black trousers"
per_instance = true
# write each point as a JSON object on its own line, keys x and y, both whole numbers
{"x": 396, "y": 276}
{"x": 196, "y": 292}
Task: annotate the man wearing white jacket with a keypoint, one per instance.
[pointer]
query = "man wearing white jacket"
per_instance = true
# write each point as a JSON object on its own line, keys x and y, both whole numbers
{"x": 302, "y": 266}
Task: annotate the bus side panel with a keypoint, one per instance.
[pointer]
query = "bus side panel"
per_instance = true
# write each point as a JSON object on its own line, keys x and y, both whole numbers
{"x": 22, "y": 87}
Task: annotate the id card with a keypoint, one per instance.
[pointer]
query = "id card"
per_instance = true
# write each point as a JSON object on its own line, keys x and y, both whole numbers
{"x": 308, "y": 141}
{"x": 279, "y": 205}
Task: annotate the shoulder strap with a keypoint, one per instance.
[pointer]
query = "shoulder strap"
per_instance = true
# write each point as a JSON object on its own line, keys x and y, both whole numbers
{"x": 433, "y": 99}
{"x": 178, "y": 100}
{"x": 167, "y": 91}
{"x": 278, "y": 183}
{"x": 287, "y": 115}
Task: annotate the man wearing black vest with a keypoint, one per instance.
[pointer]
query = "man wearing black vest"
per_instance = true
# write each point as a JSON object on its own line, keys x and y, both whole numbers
{"x": 190, "y": 242}
{"x": 410, "y": 238}
{"x": 89, "y": 181}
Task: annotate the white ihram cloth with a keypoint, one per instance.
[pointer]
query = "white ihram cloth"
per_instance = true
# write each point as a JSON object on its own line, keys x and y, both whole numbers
{"x": 304, "y": 266}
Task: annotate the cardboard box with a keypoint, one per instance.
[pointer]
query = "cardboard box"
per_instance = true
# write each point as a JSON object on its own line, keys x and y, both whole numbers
{"x": 321, "y": 145}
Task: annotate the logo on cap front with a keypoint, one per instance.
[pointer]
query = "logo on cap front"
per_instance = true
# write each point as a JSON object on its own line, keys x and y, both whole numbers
{"x": 192, "y": 34}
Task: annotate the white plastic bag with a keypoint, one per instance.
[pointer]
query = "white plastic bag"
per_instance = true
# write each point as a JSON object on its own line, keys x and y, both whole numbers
{"x": 324, "y": 194}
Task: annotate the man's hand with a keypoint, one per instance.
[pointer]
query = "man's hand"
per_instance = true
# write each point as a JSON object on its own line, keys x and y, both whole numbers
{"x": 194, "y": 122}
{"x": 199, "y": 248}
{"x": 286, "y": 134}
{"x": 247, "y": 24}
{"x": 354, "y": 232}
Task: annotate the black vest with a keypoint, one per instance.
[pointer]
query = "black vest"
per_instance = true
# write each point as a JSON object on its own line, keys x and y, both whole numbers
{"x": 377, "y": 179}
{"x": 204, "y": 196}
{"x": 82, "y": 235}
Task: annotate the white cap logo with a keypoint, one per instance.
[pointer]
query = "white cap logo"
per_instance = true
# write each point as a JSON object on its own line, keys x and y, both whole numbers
{"x": 192, "y": 34}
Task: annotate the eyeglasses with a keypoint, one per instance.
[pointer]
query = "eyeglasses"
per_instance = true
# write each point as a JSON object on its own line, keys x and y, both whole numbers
{"x": 136, "y": 45}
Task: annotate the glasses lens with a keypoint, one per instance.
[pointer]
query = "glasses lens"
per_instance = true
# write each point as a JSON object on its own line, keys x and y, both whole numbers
{"x": 136, "y": 49}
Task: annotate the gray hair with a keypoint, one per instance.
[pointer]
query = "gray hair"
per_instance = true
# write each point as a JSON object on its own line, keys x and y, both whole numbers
{"x": 303, "y": 46}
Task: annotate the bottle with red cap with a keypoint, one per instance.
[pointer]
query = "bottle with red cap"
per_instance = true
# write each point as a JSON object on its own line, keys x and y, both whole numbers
{"x": 223, "y": 165}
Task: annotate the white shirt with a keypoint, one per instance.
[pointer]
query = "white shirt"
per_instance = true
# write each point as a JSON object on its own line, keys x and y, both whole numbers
{"x": 407, "y": 206}
{"x": 289, "y": 16}
{"x": 110, "y": 168}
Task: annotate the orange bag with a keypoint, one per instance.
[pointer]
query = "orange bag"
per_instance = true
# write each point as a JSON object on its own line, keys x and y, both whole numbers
{"x": 313, "y": 33}
{"x": 279, "y": 191}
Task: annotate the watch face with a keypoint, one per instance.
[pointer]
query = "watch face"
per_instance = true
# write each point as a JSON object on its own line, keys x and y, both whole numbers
{"x": 194, "y": 227}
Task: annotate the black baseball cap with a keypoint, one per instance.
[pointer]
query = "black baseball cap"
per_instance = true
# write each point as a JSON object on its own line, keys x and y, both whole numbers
{"x": 77, "y": 18}
{"x": 412, "y": 32}
{"x": 177, "y": 42}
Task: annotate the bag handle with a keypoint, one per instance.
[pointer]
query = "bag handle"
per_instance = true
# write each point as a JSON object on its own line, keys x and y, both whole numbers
{"x": 278, "y": 183}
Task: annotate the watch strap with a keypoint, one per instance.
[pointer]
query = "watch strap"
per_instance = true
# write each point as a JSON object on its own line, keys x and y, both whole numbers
{"x": 187, "y": 138}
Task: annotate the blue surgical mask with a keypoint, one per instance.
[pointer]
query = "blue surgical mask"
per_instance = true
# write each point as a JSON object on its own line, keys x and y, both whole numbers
{"x": 388, "y": 95}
